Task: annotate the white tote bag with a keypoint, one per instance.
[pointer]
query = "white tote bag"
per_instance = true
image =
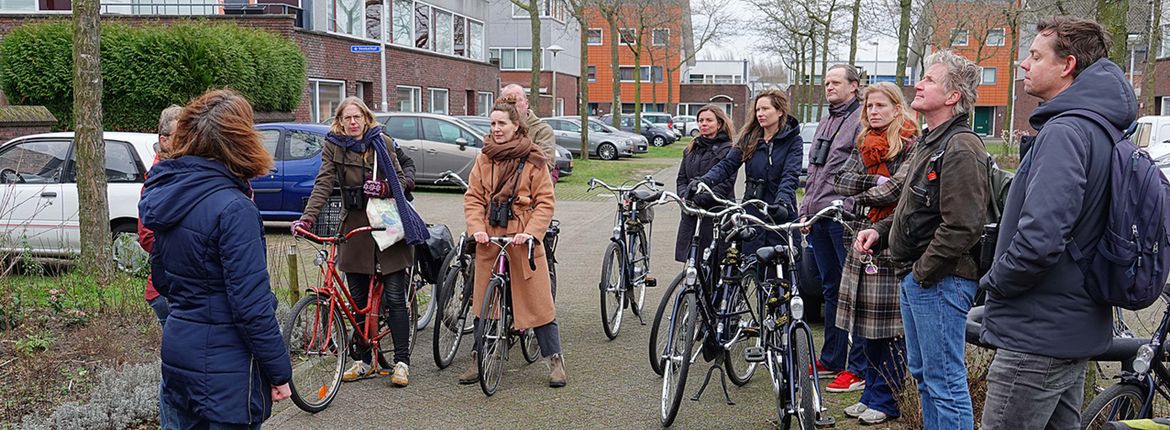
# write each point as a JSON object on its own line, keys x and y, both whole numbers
{"x": 383, "y": 213}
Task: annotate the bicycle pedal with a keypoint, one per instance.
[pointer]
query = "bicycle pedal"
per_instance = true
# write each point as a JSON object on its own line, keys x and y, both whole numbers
{"x": 651, "y": 282}
{"x": 825, "y": 422}
{"x": 754, "y": 354}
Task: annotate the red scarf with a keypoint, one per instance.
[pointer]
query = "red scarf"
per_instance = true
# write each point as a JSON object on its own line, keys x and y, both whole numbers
{"x": 874, "y": 149}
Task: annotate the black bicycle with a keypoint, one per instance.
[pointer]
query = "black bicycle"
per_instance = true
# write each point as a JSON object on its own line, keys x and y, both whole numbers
{"x": 625, "y": 269}
{"x": 1144, "y": 387}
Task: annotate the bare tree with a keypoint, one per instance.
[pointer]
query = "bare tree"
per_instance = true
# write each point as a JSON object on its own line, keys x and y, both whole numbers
{"x": 577, "y": 9}
{"x": 709, "y": 22}
{"x": 1153, "y": 48}
{"x": 853, "y": 33}
{"x": 1113, "y": 15}
{"x": 639, "y": 17}
{"x": 94, "y": 213}
{"x": 609, "y": 10}
{"x": 532, "y": 7}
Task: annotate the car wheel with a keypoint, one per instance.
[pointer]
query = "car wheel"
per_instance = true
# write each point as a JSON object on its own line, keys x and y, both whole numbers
{"x": 607, "y": 151}
{"x": 659, "y": 141}
{"x": 695, "y": 133}
{"x": 128, "y": 255}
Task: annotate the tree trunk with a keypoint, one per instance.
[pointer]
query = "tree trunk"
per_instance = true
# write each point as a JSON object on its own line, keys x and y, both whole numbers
{"x": 904, "y": 41}
{"x": 1153, "y": 49}
{"x": 638, "y": 85}
{"x": 671, "y": 107}
{"x": 812, "y": 69}
{"x": 1014, "y": 40}
{"x": 583, "y": 82}
{"x": 534, "y": 90}
{"x": 94, "y": 213}
{"x": 825, "y": 60}
{"x": 1112, "y": 15}
{"x": 616, "y": 108}
{"x": 853, "y": 34}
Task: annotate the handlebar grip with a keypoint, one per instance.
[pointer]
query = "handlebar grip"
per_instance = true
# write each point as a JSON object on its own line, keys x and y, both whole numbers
{"x": 531, "y": 254}
{"x": 659, "y": 184}
{"x": 848, "y": 216}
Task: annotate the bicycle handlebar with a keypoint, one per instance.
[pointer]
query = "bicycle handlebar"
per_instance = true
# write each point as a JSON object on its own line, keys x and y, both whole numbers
{"x": 668, "y": 197}
{"x": 834, "y": 210}
{"x": 647, "y": 180}
{"x": 451, "y": 177}
{"x": 704, "y": 188}
{"x": 502, "y": 241}
{"x": 300, "y": 231}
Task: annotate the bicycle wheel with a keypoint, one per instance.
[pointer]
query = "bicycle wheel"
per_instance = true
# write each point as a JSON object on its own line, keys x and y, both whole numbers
{"x": 529, "y": 346}
{"x": 1120, "y": 401}
{"x": 658, "y": 345}
{"x": 678, "y": 361}
{"x": 640, "y": 261}
{"x": 806, "y": 401}
{"x": 316, "y": 339}
{"x": 453, "y": 305}
{"x": 747, "y": 331}
{"x": 493, "y": 345}
{"x": 424, "y": 292}
{"x": 613, "y": 290}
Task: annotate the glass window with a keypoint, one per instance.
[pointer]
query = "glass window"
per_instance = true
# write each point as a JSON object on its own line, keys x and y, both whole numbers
{"x": 437, "y": 130}
{"x": 995, "y": 37}
{"x": 402, "y": 127}
{"x": 507, "y": 59}
{"x": 422, "y": 26}
{"x": 524, "y": 59}
{"x": 661, "y": 36}
{"x": 346, "y": 16}
{"x": 326, "y": 96}
{"x": 518, "y": 12}
{"x": 628, "y": 36}
{"x": 476, "y": 48}
{"x": 374, "y": 21}
{"x": 593, "y": 36}
{"x": 35, "y": 162}
{"x": 656, "y": 73}
{"x": 271, "y": 141}
{"x": 18, "y": 5}
{"x": 591, "y": 73}
{"x": 402, "y": 22}
{"x": 409, "y": 99}
{"x": 121, "y": 167}
{"x": 439, "y": 101}
{"x": 958, "y": 37}
{"x": 484, "y": 102}
{"x": 627, "y": 74}
{"x": 987, "y": 77}
{"x": 570, "y": 126}
{"x": 444, "y": 33}
{"x": 460, "y": 36}
{"x": 303, "y": 144}
{"x": 1141, "y": 136}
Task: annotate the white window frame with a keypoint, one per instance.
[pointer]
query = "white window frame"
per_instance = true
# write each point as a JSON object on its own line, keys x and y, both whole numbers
{"x": 415, "y": 95}
{"x": 431, "y": 100}
{"x": 435, "y": 29}
{"x": 475, "y": 51}
{"x": 484, "y": 108}
{"x": 471, "y": 50}
{"x": 1002, "y": 37}
{"x": 994, "y": 75}
{"x": 409, "y": 43}
{"x": 560, "y": 107}
{"x": 622, "y": 35}
{"x": 555, "y": 10}
{"x": 655, "y": 31}
{"x": 601, "y": 36}
{"x": 515, "y": 55}
{"x": 955, "y": 36}
{"x": 647, "y": 73}
{"x": 315, "y": 96}
{"x": 1165, "y": 105}
{"x": 594, "y": 78}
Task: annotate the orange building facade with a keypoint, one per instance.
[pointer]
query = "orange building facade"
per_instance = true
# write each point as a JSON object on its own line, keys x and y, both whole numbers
{"x": 980, "y": 31}
{"x": 661, "y": 41}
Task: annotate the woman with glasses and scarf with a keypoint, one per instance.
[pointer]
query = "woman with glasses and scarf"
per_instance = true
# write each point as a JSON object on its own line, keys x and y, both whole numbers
{"x": 355, "y": 145}
{"x": 511, "y": 173}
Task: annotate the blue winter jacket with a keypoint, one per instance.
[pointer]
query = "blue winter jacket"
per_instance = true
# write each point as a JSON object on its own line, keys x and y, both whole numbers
{"x": 777, "y": 162}
{"x": 221, "y": 348}
{"x": 1037, "y": 301}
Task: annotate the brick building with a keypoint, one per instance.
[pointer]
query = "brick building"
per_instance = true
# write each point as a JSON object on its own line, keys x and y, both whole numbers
{"x": 509, "y": 41}
{"x": 435, "y": 55}
{"x": 658, "y": 30}
{"x": 978, "y": 30}
{"x": 722, "y": 83}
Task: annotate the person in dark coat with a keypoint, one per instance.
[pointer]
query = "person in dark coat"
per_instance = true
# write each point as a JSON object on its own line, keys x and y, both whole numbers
{"x": 770, "y": 149}
{"x": 712, "y": 145}
{"x": 355, "y": 144}
{"x": 223, "y": 358}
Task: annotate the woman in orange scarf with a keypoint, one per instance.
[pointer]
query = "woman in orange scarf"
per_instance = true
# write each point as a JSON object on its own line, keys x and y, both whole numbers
{"x": 868, "y": 304}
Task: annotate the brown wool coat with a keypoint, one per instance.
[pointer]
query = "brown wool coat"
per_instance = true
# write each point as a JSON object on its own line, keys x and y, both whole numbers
{"x": 356, "y": 255}
{"x": 532, "y": 302}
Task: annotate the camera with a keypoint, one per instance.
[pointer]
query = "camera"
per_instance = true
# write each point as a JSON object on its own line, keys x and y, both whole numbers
{"x": 819, "y": 154}
{"x": 500, "y": 213}
{"x": 754, "y": 188}
{"x": 353, "y": 198}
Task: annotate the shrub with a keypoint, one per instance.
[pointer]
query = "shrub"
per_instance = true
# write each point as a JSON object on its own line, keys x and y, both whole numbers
{"x": 122, "y": 399}
{"x": 145, "y": 69}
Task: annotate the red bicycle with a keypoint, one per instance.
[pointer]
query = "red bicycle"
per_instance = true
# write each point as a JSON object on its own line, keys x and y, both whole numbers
{"x": 316, "y": 333}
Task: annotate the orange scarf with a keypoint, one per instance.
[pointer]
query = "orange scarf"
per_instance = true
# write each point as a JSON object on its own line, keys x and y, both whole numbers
{"x": 874, "y": 148}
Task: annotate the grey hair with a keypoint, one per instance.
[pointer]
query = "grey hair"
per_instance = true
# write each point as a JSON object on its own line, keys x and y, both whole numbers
{"x": 512, "y": 88}
{"x": 168, "y": 118}
{"x": 962, "y": 76}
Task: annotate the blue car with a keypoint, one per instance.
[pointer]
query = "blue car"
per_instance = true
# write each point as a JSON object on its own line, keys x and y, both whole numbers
{"x": 296, "y": 150}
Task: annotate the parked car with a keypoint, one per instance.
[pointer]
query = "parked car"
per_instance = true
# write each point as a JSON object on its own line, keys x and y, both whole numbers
{"x": 564, "y": 156}
{"x": 38, "y": 194}
{"x": 658, "y": 136}
{"x": 1153, "y": 134}
{"x": 601, "y": 145}
{"x": 436, "y": 143}
{"x": 662, "y": 120}
{"x": 296, "y": 153}
{"x": 641, "y": 144}
{"x": 807, "y": 131}
{"x": 687, "y": 125}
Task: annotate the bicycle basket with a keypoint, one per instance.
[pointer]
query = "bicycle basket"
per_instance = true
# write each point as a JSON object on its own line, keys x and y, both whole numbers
{"x": 329, "y": 219}
{"x": 645, "y": 213}
{"x": 431, "y": 254}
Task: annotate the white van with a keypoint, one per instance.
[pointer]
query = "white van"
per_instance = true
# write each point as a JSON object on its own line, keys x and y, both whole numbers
{"x": 1153, "y": 134}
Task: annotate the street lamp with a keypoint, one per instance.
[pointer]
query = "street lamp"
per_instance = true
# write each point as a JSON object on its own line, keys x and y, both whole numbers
{"x": 554, "y": 49}
{"x": 873, "y": 77}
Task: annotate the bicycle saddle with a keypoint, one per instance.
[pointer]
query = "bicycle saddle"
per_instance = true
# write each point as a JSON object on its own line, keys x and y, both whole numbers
{"x": 768, "y": 254}
{"x": 645, "y": 195}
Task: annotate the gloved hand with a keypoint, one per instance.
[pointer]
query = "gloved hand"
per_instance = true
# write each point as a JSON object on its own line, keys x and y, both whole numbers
{"x": 409, "y": 184}
{"x": 778, "y": 212}
{"x": 693, "y": 188}
{"x": 376, "y": 189}
{"x": 300, "y": 223}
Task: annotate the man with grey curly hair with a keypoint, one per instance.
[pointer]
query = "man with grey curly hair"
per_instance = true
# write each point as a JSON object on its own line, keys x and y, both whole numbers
{"x": 938, "y": 220}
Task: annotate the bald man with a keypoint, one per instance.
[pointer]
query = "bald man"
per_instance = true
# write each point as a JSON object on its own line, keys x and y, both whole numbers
{"x": 539, "y": 131}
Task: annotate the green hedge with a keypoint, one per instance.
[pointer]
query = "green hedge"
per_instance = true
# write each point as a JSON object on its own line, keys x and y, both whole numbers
{"x": 145, "y": 69}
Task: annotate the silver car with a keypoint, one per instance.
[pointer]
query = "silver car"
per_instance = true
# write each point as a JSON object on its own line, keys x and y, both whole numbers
{"x": 603, "y": 146}
{"x": 641, "y": 145}
{"x": 436, "y": 143}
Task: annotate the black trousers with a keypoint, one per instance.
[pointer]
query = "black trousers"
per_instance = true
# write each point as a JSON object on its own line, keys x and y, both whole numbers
{"x": 394, "y": 301}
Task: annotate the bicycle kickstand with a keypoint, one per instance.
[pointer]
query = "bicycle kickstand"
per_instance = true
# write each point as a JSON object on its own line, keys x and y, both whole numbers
{"x": 717, "y": 365}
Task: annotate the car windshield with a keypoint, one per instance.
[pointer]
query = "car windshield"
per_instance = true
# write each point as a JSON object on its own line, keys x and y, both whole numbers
{"x": 482, "y": 127}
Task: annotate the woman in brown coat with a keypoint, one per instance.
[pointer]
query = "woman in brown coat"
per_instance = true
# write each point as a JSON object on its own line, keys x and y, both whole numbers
{"x": 355, "y": 145}
{"x": 868, "y": 306}
{"x": 493, "y": 179}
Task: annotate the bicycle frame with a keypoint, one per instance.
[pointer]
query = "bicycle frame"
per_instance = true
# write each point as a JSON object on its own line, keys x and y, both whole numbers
{"x": 627, "y": 224}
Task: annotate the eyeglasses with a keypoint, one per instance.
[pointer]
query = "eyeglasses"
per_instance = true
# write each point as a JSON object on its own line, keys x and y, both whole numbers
{"x": 358, "y": 118}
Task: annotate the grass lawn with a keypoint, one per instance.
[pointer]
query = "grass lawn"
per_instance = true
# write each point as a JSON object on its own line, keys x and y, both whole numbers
{"x": 674, "y": 150}
{"x": 612, "y": 172}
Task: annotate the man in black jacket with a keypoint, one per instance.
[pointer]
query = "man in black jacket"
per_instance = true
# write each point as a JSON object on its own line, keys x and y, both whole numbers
{"x": 939, "y": 218}
{"x": 1038, "y": 315}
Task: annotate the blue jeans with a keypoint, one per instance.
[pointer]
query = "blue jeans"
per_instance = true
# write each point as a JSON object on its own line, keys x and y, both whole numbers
{"x": 161, "y": 308}
{"x": 935, "y": 319}
{"x": 884, "y": 374}
{"x": 829, "y": 248}
{"x": 172, "y": 418}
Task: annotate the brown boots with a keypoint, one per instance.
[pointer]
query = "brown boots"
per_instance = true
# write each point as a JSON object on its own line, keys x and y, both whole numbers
{"x": 556, "y": 374}
{"x": 471, "y": 375}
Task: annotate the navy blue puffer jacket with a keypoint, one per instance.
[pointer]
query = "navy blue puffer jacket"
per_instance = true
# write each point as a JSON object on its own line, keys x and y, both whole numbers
{"x": 221, "y": 348}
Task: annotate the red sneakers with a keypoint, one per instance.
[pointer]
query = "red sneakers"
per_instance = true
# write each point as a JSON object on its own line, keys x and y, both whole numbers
{"x": 824, "y": 372}
{"x": 846, "y": 382}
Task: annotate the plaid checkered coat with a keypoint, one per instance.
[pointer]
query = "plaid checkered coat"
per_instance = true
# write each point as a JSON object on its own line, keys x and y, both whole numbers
{"x": 868, "y": 304}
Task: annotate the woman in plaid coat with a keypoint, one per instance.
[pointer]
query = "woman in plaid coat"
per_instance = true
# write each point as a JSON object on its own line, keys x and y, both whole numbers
{"x": 868, "y": 302}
